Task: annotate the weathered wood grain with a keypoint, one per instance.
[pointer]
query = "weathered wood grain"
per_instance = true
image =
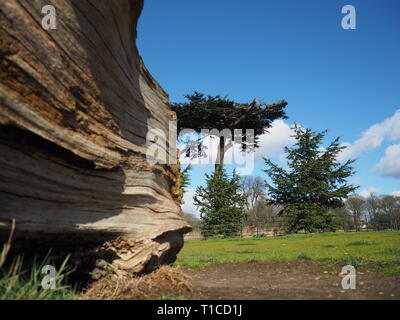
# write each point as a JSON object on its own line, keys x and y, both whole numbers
{"x": 76, "y": 104}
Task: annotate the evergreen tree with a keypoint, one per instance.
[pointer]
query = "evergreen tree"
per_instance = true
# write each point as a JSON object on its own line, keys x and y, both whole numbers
{"x": 221, "y": 204}
{"x": 314, "y": 183}
{"x": 208, "y": 112}
{"x": 184, "y": 178}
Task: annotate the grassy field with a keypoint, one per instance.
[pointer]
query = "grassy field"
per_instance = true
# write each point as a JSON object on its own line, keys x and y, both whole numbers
{"x": 379, "y": 250}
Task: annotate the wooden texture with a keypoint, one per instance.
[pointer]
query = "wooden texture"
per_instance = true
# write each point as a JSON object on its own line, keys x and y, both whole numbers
{"x": 76, "y": 104}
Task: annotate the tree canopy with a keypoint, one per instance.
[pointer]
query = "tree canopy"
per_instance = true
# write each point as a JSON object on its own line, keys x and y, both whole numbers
{"x": 216, "y": 112}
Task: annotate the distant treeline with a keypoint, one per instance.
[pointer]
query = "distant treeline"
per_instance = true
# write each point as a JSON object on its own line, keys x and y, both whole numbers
{"x": 357, "y": 214}
{"x": 375, "y": 213}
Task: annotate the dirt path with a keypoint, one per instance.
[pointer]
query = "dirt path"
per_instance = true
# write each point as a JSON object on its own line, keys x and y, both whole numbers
{"x": 287, "y": 280}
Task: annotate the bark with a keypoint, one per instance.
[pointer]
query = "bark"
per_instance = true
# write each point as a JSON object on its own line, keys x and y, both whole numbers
{"x": 76, "y": 104}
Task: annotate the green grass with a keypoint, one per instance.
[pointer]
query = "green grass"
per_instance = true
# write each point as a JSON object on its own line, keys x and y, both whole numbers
{"x": 23, "y": 281}
{"x": 380, "y": 250}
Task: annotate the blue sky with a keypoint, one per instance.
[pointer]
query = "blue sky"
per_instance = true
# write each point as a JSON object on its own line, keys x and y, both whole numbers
{"x": 347, "y": 81}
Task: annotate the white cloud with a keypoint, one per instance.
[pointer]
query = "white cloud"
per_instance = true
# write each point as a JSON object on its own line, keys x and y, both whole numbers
{"x": 396, "y": 193}
{"x": 389, "y": 164}
{"x": 367, "y": 192}
{"x": 373, "y": 137}
{"x": 275, "y": 140}
{"x": 188, "y": 206}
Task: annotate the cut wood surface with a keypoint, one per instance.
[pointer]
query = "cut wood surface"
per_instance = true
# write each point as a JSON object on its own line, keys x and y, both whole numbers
{"x": 76, "y": 103}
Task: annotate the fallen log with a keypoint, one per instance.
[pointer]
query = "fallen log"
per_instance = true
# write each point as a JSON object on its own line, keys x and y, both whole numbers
{"x": 76, "y": 103}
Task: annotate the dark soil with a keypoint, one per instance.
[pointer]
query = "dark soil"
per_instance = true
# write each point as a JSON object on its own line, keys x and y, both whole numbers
{"x": 287, "y": 280}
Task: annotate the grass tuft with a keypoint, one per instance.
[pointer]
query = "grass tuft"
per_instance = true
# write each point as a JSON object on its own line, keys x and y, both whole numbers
{"x": 363, "y": 243}
{"x": 244, "y": 251}
{"x": 303, "y": 256}
{"x": 392, "y": 251}
{"x": 23, "y": 281}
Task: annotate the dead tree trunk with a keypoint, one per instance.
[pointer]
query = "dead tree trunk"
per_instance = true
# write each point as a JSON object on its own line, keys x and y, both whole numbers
{"x": 76, "y": 103}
